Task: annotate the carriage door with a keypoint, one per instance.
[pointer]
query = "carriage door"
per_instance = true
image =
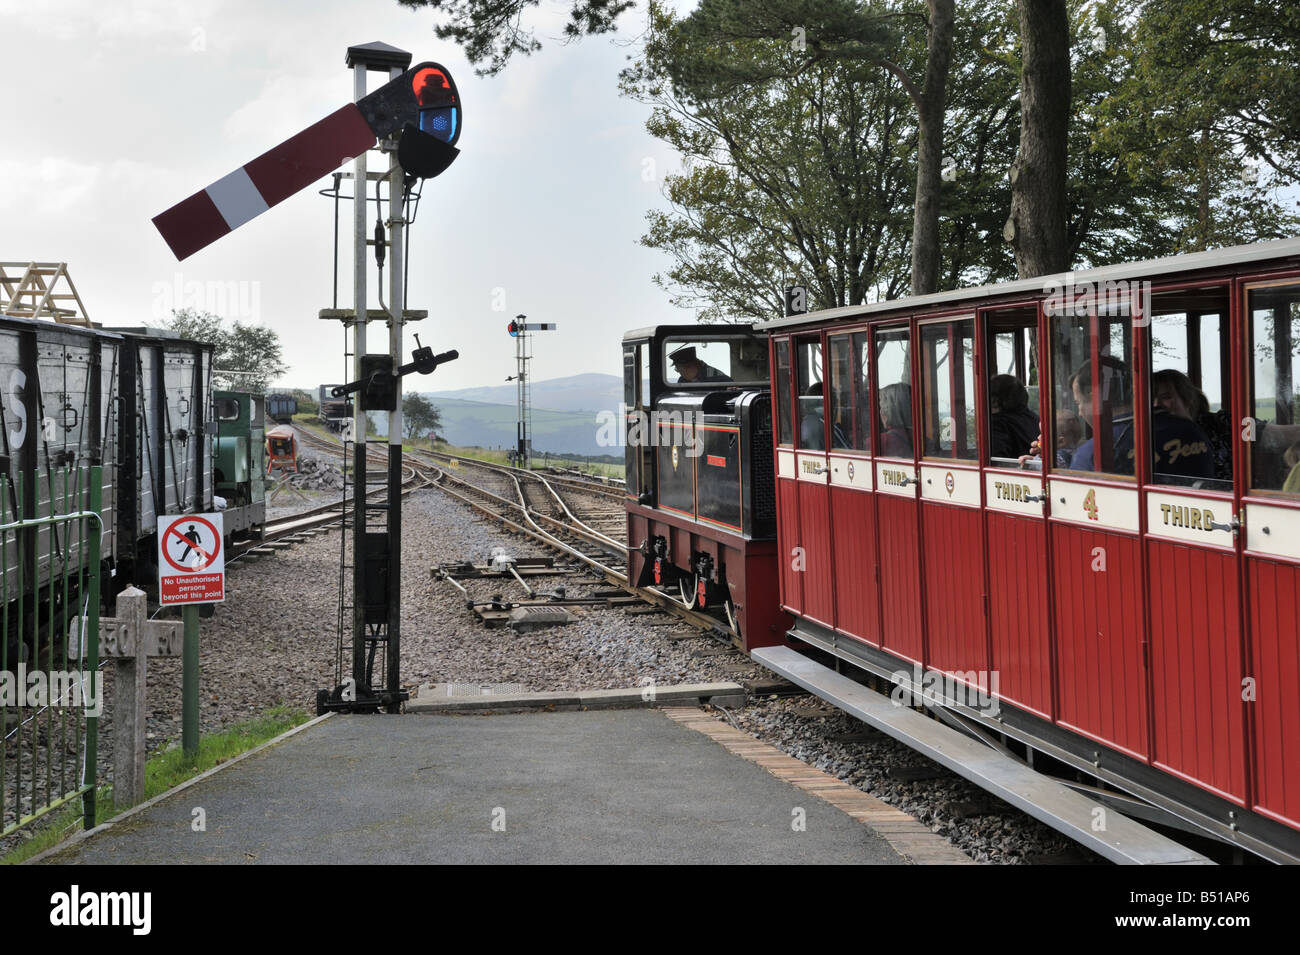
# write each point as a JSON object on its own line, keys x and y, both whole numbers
{"x": 853, "y": 513}
{"x": 1198, "y": 716}
{"x": 787, "y": 491}
{"x": 1014, "y": 518}
{"x": 895, "y": 497}
{"x": 811, "y": 470}
{"x": 952, "y": 526}
{"x": 1097, "y": 573}
{"x": 1272, "y": 539}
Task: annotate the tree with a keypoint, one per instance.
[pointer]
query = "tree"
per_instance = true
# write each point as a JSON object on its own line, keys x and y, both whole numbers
{"x": 870, "y": 32}
{"x": 493, "y": 31}
{"x": 1207, "y": 106}
{"x": 1038, "y": 226}
{"x": 246, "y": 357}
{"x": 808, "y": 175}
{"x": 419, "y": 415}
{"x": 803, "y": 178}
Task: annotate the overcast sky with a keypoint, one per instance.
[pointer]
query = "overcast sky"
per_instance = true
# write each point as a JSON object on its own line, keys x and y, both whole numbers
{"x": 118, "y": 109}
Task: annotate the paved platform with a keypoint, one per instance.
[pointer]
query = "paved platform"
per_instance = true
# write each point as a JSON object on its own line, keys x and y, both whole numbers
{"x": 611, "y": 786}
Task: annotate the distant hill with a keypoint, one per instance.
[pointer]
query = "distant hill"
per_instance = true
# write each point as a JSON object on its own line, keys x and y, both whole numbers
{"x": 564, "y": 414}
{"x": 587, "y": 392}
{"x": 470, "y": 423}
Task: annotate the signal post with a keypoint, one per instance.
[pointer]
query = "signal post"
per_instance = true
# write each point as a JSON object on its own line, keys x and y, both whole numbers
{"x": 416, "y": 118}
{"x": 519, "y": 330}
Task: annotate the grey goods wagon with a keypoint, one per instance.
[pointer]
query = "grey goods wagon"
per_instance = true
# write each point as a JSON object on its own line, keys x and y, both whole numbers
{"x": 166, "y": 442}
{"x": 137, "y": 402}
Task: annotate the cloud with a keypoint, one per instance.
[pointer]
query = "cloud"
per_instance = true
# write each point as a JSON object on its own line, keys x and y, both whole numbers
{"x": 127, "y": 21}
{"x": 287, "y": 104}
{"x": 49, "y": 186}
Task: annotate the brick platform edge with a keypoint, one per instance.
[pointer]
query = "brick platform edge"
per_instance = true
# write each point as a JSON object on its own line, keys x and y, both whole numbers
{"x": 907, "y": 836}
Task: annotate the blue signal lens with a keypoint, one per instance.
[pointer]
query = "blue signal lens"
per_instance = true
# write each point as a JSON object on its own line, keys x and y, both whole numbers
{"x": 440, "y": 122}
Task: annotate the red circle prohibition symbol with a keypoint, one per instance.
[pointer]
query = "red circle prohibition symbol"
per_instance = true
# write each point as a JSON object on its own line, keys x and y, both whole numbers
{"x": 207, "y": 558}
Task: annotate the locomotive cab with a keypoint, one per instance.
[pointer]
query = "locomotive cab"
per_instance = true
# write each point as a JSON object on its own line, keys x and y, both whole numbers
{"x": 700, "y": 483}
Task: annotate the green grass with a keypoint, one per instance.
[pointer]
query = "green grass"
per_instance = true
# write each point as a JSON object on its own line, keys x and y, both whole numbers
{"x": 162, "y": 772}
{"x": 494, "y": 456}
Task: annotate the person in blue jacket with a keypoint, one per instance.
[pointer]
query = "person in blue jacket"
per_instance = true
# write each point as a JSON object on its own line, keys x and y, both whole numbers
{"x": 1180, "y": 447}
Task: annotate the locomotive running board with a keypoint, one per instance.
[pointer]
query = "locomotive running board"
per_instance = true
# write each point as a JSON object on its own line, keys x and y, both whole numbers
{"x": 1123, "y": 840}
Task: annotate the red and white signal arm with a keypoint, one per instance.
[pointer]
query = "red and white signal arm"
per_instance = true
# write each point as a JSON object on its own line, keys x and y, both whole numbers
{"x": 191, "y": 560}
{"x": 424, "y": 98}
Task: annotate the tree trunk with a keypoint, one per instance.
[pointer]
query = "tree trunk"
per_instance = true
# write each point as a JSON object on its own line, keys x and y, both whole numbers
{"x": 1203, "y": 193}
{"x": 1039, "y": 205}
{"x": 929, "y": 149}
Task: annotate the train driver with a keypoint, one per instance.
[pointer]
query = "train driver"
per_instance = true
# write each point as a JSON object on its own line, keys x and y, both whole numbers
{"x": 690, "y": 368}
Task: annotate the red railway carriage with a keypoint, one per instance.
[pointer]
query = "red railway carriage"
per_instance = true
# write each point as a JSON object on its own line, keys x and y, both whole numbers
{"x": 1127, "y": 588}
{"x": 701, "y": 510}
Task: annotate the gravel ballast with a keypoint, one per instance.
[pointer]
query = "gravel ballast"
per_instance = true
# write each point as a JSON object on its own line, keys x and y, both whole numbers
{"x": 273, "y": 642}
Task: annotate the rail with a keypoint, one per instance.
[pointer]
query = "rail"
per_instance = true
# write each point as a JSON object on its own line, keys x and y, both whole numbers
{"x": 517, "y": 517}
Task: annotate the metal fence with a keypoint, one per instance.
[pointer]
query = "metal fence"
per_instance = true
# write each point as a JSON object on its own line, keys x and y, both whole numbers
{"x": 51, "y": 536}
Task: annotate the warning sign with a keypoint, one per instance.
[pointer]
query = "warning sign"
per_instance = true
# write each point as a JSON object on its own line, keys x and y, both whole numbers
{"x": 191, "y": 564}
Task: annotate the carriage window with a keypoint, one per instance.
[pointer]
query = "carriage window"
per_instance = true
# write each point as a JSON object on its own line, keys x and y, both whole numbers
{"x": 630, "y": 354}
{"x": 1274, "y": 315}
{"x": 808, "y": 381}
{"x": 644, "y": 352}
{"x": 783, "y": 393}
{"x": 1092, "y": 365}
{"x": 1191, "y": 434}
{"x": 894, "y": 393}
{"x": 850, "y": 426}
{"x": 227, "y": 409}
{"x": 1013, "y": 385}
{"x": 948, "y": 389}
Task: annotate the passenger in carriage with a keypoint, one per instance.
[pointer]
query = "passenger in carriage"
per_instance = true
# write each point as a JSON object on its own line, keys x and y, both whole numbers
{"x": 896, "y": 420}
{"x": 1292, "y": 458}
{"x": 1181, "y": 447}
{"x": 1069, "y": 435}
{"x": 1013, "y": 427}
{"x": 812, "y": 425}
{"x": 1178, "y": 395}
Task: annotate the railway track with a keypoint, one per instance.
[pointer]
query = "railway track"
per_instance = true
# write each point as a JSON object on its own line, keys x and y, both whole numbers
{"x": 579, "y": 519}
{"x": 291, "y": 527}
{"x": 542, "y": 513}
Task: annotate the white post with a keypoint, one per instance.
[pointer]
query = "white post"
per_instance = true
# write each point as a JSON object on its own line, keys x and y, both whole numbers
{"x": 360, "y": 191}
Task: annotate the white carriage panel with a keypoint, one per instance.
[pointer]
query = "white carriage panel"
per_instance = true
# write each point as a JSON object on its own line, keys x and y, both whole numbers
{"x": 1095, "y": 505}
{"x": 785, "y": 464}
{"x": 812, "y": 468}
{"x": 1272, "y": 531}
{"x": 950, "y": 485}
{"x": 851, "y": 472}
{"x": 1190, "y": 519}
{"x": 895, "y": 478}
{"x": 1015, "y": 493}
